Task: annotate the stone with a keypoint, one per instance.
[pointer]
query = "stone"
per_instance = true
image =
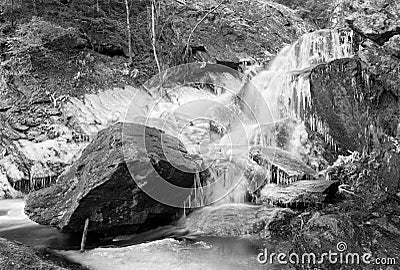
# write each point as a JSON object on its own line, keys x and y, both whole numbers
{"x": 300, "y": 194}
{"x": 393, "y": 46}
{"x": 20, "y": 127}
{"x": 347, "y": 233}
{"x": 16, "y": 256}
{"x": 290, "y": 165}
{"x": 108, "y": 189}
{"x": 237, "y": 220}
{"x": 338, "y": 91}
{"x": 384, "y": 66}
{"x": 374, "y": 177}
{"x": 377, "y": 20}
{"x": 356, "y": 98}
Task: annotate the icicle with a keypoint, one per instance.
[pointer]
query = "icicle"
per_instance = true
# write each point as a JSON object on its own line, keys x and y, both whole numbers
{"x": 278, "y": 177}
{"x": 195, "y": 189}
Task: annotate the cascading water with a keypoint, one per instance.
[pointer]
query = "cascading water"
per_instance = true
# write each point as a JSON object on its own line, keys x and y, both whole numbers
{"x": 279, "y": 93}
{"x": 314, "y": 48}
{"x": 285, "y": 86}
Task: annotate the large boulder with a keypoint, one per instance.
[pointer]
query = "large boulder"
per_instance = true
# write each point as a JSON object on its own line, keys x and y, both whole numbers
{"x": 106, "y": 184}
{"x": 356, "y": 98}
{"x": 376, "y": 22}
{"x": 338, "y": 90}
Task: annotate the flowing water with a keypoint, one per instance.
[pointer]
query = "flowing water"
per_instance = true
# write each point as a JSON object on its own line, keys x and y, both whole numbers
{"x": 15, "y": 225}
{"x": 282, "y": 92}
{"x": 272, "y": 97}
{"x": 139, "y": 252}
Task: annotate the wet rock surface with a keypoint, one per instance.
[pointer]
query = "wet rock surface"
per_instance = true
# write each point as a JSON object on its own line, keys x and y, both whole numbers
{"x": 15, "y": 256}
{"x": 238, "y": 220}
{"x": 340, "y": 98}
{"x": 354, "y": 96}
{"x": 100, "y": 187}
{"x": 352, "y": 232}
{"x": 367, "y": 220}
{"x": 289, "y": 167}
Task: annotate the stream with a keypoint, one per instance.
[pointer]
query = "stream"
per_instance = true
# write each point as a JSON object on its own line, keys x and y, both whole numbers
{"x": 201, "y": 253}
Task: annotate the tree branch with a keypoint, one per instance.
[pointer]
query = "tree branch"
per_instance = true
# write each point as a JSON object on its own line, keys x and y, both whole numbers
{"x": 153, "y": 30}
{"x": 194, "y": 28}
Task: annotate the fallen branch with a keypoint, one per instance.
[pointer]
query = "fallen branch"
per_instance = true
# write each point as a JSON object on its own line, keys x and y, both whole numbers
{"x": 194, "y": 28}
{"x": 342, "y": 189}
{"x": 84, "y": 235}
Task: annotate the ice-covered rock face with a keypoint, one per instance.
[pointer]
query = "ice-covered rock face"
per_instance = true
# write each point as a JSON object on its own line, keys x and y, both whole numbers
{"x": 285, "y": 85}
{"x": 284, "y": 90}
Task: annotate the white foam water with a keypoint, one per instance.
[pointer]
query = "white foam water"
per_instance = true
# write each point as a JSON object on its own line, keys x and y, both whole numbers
{"x": 170, "y": 254}
{"x": 279, "y": 93}
{"x": 285, "y": 86}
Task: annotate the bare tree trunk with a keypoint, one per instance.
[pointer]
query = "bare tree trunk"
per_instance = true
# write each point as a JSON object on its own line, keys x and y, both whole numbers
{"x": 34, "y": 8}
{"x": 12, "y": 13}
{"x": 153, "y": 30}
{"x": 128, "y": 24}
